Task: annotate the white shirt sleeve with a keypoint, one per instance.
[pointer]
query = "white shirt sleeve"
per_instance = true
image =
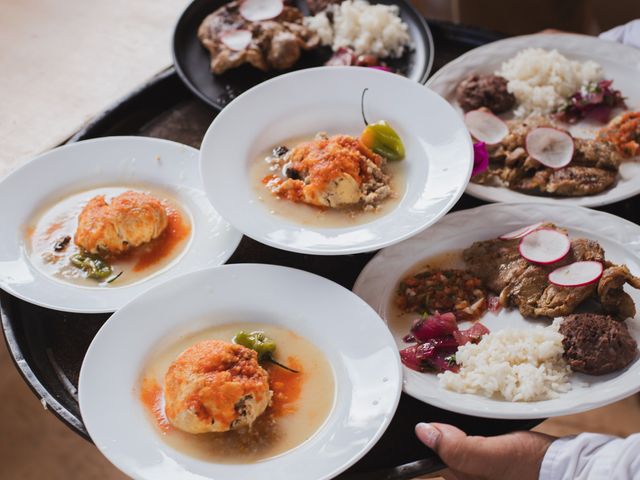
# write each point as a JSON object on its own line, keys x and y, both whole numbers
{"x": 629, "y": 34}
{"x": 591, "y": 456}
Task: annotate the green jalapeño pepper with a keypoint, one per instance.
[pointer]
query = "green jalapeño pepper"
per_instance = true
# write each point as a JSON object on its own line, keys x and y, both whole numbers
{"x": 257, "y": 341}
{"x": 95, "y": 267}
{"x": 263, "y": 345}
{"x": 383, "y": 140}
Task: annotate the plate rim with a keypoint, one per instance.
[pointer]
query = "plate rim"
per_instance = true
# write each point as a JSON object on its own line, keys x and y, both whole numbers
{"x": 531, "y": 413}
{"x": 373, "y": 440}
{"x": 41, "y": 158}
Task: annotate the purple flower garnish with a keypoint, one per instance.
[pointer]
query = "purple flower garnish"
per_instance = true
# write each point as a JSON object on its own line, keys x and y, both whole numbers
{"x": 480, "y": 158}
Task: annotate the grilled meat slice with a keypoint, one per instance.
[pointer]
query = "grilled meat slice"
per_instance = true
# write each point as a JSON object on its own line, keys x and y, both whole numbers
{"x": 275, "y": 43}
{"x": 576, "y": 181}
{"x": 611, "y": 294}
{"x": 593, "y": 168}
{"x": 596, "y": 154}
{"x": 525, "y": 285}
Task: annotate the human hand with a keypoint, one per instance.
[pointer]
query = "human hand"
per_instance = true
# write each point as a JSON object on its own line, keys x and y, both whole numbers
{"x": 514, "y": 456}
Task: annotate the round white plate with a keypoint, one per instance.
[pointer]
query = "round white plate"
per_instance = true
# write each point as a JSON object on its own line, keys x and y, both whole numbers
{"x": 619, "y": 238}
{"x": 299, "y": 104}
{"x": 367, "y": 373}
{"x": 619, "y": 63}
{"x": 113, "y": 161}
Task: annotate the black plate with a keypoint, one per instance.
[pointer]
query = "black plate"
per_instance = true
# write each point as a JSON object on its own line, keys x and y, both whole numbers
{"x": 191, "y": 59}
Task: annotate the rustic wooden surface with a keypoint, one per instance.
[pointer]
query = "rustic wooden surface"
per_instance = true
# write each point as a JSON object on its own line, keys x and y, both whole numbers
{"x": 62, "y": 62}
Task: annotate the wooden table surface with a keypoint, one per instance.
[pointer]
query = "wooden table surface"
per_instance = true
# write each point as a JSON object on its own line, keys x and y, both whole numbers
{"x": 64, "y": 61}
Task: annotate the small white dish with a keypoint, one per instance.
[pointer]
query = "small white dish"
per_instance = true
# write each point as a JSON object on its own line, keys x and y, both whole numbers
{"x": 367, "y": 373}
{"x": 620, "y": 63}
{"x": 113, "y": 161}
{"x": 621, "y": 242}
{"x": 437, "y": 165}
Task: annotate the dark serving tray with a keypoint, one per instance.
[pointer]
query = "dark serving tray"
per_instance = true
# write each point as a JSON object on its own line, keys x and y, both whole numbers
{"x": 48, "y": 346}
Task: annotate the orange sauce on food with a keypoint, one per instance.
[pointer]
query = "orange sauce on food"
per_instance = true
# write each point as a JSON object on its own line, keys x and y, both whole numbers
{"x": 325, "y": 159}
{"x": 53, "y": 228}
{"x": 151, "y": 398}
{"x": 286, "y": 386}
{"x": 174, "y": 233}
{"x": 30, "y": 231}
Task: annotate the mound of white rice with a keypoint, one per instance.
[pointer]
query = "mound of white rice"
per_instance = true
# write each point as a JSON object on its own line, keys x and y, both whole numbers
{"x": 367, "y": 29}
{"x": 519, "y": 365}
{"x": 541, "y": 80}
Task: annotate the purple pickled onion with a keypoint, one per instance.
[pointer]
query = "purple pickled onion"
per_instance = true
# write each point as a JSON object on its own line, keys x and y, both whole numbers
{"x": 480, "y": 158}
{"x": 472, "y": 334}
{"x": 596, "y": 102}
{"x": 342, "y": 57}
{"x": 435, "y": 326}
{"x": 430, "y": 355}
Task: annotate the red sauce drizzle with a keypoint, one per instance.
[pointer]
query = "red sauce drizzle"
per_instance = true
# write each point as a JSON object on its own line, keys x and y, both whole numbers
{"x": 151, "y": 398}
{"x": 286, "y": 386}
{"x": 176, "y": 231}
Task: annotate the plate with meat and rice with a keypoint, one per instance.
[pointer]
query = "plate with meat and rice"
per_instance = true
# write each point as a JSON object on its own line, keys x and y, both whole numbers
{"x": 103, "y": 231}
{"x": 368, "y": 160}
{"x": 233, "y": 382}
{"x": 222, "y": 48}
{"x": 514, "y": 311}
{"x": 554, "y": 117}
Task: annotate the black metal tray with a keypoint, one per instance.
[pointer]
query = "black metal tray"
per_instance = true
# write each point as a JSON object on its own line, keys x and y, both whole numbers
{"x": 48, "y": 346}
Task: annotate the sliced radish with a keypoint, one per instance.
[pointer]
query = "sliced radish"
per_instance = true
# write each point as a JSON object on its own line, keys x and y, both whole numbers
{"x": 258, "y": 10}
{"x": 544, "y": 245}
{"x": 485, "y": 126}
{"x": 576, "y": 274}
{"x": 551, "y": 147}
{"x": 521, "y": 232}
{"x": 236, "y": 39}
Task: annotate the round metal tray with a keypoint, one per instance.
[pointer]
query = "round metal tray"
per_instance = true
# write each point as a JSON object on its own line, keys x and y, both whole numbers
{"x": 48, "y": 346}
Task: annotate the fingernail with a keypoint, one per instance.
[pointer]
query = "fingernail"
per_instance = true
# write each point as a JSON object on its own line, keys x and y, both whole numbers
{"x": 428, "y": 434}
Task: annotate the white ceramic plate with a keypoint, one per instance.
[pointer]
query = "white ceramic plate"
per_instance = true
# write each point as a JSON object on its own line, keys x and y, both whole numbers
{"x": 438, "y": 153}
{"x": 355, "y": 341}
{"x": 114, "y": 161}
{"x": 619, "y": 238}
{"x": 619, "y": 62}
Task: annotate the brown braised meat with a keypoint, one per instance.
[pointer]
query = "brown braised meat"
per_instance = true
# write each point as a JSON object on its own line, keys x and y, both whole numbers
{"x": 276, "y": 44}
{"x": 597, "y": 344}
{"x": 593, "y": 168}
{"x": 524, "y": 285}
{"x": 317, "y": 6}
{"x": 489, "y": 91}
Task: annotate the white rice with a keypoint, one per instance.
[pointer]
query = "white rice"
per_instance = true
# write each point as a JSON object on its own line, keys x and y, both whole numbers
{"x": 541, "y": 80}
{"x": 518, "y": 365}
{"x": 367, "y": 29}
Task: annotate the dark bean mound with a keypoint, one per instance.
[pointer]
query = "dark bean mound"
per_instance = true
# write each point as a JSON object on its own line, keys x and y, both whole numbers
{"x": 596, "y": 344}
{"x": 488, "y": 91}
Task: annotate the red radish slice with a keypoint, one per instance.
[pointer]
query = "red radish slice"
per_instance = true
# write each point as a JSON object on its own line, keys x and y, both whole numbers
{"x": 521, "y": 232}
{"x": 236, "y": 39}
{"x": 258, "y": 10}
{"x": 544, "y": 246}
{"x": 576, "y": 274}
{"x": 551, "y": 147}
{"x": 485, "y": 126}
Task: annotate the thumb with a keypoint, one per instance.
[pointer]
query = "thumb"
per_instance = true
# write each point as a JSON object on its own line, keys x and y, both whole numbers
{"x": 456, "y": 449}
